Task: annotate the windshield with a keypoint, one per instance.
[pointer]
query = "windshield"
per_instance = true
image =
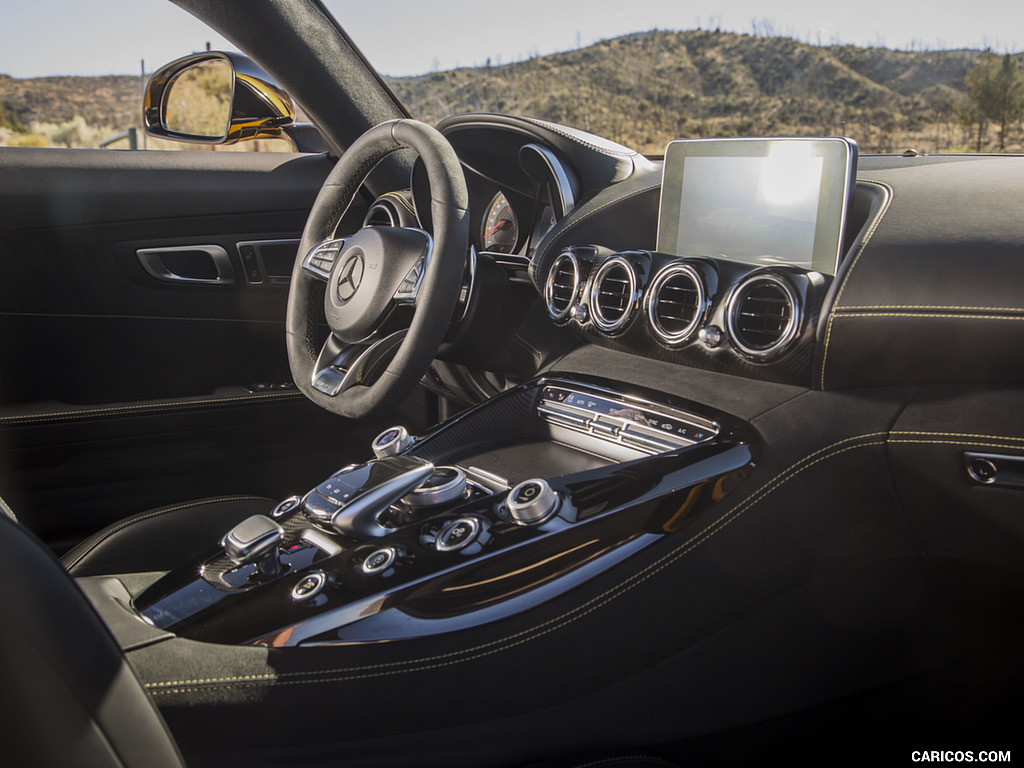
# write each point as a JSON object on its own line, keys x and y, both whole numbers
{"x": 643, "y": 73}
{"x": 890, "y": 76}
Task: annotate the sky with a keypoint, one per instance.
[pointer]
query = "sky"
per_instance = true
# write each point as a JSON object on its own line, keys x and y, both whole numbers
{"x": 98, "y": 37}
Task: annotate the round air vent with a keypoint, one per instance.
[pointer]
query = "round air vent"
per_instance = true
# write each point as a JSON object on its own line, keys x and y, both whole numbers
{"x": 381, "y": 214}
{"x": 675, "y": 303}
{"x": 763, "y": 316}
{"x": 562, "y": 284}
{"x": 613, "y": 294}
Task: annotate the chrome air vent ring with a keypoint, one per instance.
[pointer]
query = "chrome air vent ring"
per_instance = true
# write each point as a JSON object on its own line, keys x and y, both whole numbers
{"x": 381, "y": 214}
{"x": 676, "y": 303}
{"x": 562, "y": 285}
{"x": 764, "y": 316}
{"x": 613, "y": 294}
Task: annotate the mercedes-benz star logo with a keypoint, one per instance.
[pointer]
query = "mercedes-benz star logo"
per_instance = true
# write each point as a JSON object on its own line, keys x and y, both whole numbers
{"x": 350, "y": 276}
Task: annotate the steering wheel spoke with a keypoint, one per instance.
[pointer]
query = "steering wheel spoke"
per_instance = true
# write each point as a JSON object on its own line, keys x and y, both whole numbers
{"x": 341, "y": 366}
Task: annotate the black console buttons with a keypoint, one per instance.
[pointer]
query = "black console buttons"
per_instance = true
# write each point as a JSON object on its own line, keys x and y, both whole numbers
{"x": 531, "y": 502}
{"x": 457, "y": 534}
{"x": 379, "y": 560}
{"x": 309, "y": 585}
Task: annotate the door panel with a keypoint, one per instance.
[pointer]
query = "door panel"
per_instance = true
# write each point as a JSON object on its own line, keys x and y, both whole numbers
{"x": 120, "y": 390}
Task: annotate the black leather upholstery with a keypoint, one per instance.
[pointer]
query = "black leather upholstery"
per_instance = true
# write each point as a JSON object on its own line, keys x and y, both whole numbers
{"x": 163, "y": 538}
{"x": 69, "y": 696}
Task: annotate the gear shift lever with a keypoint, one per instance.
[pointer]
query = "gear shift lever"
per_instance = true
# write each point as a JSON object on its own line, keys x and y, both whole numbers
{"x": 255, "y": 540}
{"x": 351, "y": 500}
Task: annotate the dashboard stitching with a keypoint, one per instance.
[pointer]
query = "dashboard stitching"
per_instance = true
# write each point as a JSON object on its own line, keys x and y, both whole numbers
{"x": 193, "y": 404}
{"x": 625, "y": 152}
{"x": 941, "y": 308}
{"x": 139, "y": 317}
{"x": 856, "y": 259}
{"x": 933, "y": 315}
{"x": 498, "y": 645}
{"x": 91, "y": 544}
{"x": 971, "y": 437}
{"x": 977, "y": 443}
{"x": 569, "y": 225}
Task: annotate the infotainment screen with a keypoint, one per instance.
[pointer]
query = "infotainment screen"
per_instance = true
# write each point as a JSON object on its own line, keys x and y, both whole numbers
{"x": 758, "y": 201}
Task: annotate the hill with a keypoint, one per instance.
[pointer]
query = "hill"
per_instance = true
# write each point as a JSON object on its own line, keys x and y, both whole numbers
{"x": 641, "y": 90}
{"x": 646, "y": 89}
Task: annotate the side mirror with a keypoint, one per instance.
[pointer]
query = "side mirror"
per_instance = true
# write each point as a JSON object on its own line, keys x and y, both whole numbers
{"x": 215, "y": 98}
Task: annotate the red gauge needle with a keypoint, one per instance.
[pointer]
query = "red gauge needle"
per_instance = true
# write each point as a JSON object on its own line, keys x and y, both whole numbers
{"x": 500, "y": 225}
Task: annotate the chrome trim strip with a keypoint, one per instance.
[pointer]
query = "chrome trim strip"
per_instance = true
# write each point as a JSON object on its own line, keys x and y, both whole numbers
{"x": 562, "y": 186}
{"x": 379, "y": 205}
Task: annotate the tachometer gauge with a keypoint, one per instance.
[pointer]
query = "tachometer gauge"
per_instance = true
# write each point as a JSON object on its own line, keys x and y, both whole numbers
{"x": 500, "y": 231}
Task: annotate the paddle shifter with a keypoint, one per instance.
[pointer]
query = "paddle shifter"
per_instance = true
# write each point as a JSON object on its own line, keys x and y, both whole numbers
{"x": 351, "y": 499}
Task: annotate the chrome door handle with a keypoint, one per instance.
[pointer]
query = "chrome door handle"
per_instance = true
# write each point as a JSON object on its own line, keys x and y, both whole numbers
{"x": 202, "y": 264}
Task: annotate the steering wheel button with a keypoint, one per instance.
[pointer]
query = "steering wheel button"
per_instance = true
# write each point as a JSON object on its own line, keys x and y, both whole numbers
{"x": 458, "y": 534}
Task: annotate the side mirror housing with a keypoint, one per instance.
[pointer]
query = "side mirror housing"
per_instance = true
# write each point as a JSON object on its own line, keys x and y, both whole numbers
{"x": 215, "y": 98}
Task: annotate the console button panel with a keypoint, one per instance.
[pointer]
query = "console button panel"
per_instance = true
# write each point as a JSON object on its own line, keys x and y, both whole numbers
{"x": 647, "y": 427}
{"x": 423, "y": 542}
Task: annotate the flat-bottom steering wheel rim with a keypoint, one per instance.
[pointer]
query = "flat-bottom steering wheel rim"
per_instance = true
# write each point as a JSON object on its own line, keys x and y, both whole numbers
{"x": 438, "y": 293}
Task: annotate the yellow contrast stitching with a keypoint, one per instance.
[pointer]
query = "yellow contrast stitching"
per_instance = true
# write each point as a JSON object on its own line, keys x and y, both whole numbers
{"x": 856, "y": 260}
{"x": 970, "y": 437}
{"x": 937, "y": 308}
{"x": 977, "y": 443}
{"x": 401, "y": 199}
{"x": 194, "y": 404}
{"x": 86, "y": 316}
{"x": 156, "y": 513}
{"x": 586, "y": 216}
{"x": 495, "y": 646}
{"x": 845, "y": 314}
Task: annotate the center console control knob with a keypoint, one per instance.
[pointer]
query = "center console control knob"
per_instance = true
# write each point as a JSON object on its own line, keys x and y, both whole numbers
{"x": 445, "y": 485}
{"x": 391, "y": 441}
{"x": 457, "y": 534}
{"x": 531, "y": 502}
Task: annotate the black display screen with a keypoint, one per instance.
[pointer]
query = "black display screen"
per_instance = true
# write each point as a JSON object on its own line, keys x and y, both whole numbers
{"x": 758, "y": 201}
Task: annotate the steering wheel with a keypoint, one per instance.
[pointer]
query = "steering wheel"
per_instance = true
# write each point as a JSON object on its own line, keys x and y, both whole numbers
{"x": 356, "y": 283}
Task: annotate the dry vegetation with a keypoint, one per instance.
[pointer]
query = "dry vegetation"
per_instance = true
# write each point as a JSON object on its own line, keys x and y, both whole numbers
{"x": 641, "y": 90}
{"x": 644, "y": 90}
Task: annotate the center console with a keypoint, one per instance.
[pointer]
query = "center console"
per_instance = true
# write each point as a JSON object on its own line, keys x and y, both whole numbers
{"x": 516, "y": 500}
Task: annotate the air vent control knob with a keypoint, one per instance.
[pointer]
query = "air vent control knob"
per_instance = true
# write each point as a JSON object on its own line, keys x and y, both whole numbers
{"x": 531, "y": 502}
{"x": 579, "y": 313}
{"x": 711, "y": 336}
{"x": 391, "y": 442}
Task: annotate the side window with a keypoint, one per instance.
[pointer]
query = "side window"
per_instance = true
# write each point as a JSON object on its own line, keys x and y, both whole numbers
{"x": 58, "y": 95}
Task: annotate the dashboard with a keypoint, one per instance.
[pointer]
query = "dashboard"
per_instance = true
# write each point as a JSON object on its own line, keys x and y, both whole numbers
{"x": 581, "y": 219}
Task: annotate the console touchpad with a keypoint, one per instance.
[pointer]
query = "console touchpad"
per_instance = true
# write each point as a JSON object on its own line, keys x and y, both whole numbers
{"x": 533, "y": 458}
